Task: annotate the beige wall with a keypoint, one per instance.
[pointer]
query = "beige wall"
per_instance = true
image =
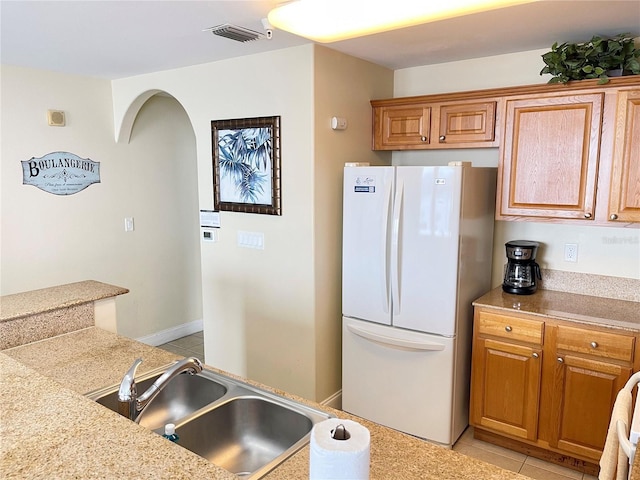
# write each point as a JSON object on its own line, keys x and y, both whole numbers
{"x": 51, "y": 240}
{"x": 273, "y": 315}
{"x": 343, "y": 87}
{"x": 257, "y": 304}
{"x": 601, "y": 250}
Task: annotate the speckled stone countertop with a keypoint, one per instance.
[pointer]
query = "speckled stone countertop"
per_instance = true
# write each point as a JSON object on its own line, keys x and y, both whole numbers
{"x": 567, "y": 306}
{"x": 61, "y": 296}
{"x": 59, "y": 433}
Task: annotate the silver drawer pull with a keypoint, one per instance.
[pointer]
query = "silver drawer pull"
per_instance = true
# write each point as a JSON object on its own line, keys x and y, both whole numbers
{"x": 594, "y": 344}
{"x": 535, "y": 355}
{"x": 587, "y": 215}
{"x": 560, "y": 360}
{"x": 424, "y": 139}
{"x": 508, "y": 328}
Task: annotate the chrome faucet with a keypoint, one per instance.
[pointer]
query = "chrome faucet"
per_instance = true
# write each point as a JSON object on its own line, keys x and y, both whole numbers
{"x": 131, "y": 405}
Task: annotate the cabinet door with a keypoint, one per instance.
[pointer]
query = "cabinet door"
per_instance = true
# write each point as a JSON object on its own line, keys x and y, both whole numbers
{"x": 467, "y": 123}
{"x": 549, "y": 157}
{"x": 505, "y": 387}
{"x": 582, "y": 401}
{"x": 402, "y": 127}
{"x": 624, "y": 200}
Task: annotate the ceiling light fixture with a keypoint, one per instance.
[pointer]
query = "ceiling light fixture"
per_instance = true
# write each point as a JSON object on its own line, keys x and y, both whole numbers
{"x": 333, "y": 20}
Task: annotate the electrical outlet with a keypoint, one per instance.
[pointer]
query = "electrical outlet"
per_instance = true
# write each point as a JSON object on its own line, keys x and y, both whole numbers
{"x": 570, "y": 252}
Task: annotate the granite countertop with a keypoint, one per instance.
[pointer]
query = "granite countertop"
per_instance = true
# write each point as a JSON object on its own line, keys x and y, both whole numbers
{"x": 47, "y": 299}
{"x": 49, "y": 429}
{"x": 567, "y": 306}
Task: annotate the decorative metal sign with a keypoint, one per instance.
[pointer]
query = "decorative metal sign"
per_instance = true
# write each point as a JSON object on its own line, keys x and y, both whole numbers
{"x": 60, "y": 173}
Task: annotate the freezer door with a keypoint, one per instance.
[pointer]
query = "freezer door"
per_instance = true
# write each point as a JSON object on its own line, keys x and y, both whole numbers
{"x": 425, "y": 243}
{"x": 366, "y": 289}
{"x": 403, "y": 380}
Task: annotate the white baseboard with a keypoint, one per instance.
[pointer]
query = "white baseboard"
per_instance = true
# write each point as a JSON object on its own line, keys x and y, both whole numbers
{"x": 172, "y": 333}
{"x": 334, "y": 401}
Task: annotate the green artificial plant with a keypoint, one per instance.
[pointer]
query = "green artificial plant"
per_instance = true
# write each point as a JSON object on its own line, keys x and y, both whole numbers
{"x": 596, "y": 58}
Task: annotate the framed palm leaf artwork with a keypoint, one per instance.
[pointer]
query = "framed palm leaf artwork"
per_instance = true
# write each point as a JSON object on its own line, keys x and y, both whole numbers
{"x": 246, "y": 165}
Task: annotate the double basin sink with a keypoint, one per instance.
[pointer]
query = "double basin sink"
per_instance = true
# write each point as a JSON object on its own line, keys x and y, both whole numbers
{"x": 239, "y": 427}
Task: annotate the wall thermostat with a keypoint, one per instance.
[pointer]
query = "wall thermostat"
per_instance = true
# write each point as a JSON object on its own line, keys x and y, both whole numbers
{"x": 338, "y": 123}
{"x": 210, "y": 235}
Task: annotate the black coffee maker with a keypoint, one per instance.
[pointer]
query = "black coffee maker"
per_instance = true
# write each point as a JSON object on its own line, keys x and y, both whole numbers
{"x": 521, "y": 272}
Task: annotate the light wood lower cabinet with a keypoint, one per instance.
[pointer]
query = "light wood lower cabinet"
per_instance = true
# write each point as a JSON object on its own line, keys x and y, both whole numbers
{"x": 547, "y": 385}
{"x": 581, "y": 404}
{"x": 587, "y": 368}
{"x": 506, "y": 387}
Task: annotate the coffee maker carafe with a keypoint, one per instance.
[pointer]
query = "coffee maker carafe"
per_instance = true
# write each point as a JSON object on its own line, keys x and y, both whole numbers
{"x": 521, "y": 272}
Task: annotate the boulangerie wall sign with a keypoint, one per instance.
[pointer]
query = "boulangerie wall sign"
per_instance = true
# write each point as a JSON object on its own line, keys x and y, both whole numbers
{"x": 60, "y": 173}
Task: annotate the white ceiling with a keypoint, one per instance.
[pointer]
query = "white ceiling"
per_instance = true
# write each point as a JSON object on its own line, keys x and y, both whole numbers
{"x": 114, "y": 39}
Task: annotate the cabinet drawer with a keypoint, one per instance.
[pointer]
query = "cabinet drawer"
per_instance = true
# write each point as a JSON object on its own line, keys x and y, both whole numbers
{"x": 599, "y": 344}
{"x": 520, "y": 329}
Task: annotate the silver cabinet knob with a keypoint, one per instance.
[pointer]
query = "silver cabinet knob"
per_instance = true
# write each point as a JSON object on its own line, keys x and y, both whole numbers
{"x": 560, "y": 360}
{"x": 442, "y": 138}
{"x": 613, "y": 216}
{"x": 587, "y": 215}
{"x": 424, "y": 139}
{"x": 535, "y": 355}
{"x": 508, "y": 328}
{"x": 594, "y": 344}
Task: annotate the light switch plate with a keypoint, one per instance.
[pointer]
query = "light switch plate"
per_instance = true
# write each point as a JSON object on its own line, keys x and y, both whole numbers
{"x": 251, "y": 240}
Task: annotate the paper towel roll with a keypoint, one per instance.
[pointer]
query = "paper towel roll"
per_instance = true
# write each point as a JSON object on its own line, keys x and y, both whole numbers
{"x": 331, "y": 459}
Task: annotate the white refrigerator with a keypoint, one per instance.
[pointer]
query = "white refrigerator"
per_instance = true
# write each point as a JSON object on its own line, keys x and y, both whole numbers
{"x": 417, "y": 248}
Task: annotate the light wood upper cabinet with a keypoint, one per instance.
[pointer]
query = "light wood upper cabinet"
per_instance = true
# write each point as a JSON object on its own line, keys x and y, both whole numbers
{"x": 568, "y": 153}
{"x": 397, "y": 128}
{"x": 549, "y": 157}
{"x": 624, "y": 198}
{"x": 467, "y": 123}
{"x": 419, "y": 126}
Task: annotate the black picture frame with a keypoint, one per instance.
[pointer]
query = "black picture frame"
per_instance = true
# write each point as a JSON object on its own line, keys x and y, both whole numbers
{"x": 246, "y": 165}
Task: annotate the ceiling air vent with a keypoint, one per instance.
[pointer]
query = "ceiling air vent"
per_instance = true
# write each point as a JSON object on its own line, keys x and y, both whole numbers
{"x": 234, "y": 32}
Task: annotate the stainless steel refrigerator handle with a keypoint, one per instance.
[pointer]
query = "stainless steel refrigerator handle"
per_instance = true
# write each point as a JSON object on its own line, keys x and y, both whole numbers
{"x": 385, "y": 247}
{"x": 395, "y": 248}
{"x": 395, "y": 342}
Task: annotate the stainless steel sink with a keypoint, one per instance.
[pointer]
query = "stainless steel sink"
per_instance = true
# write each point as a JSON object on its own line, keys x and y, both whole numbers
{"x": 239, "y": 427}
{"x": 245, "y": 433}
{"x": 182, "y": 396}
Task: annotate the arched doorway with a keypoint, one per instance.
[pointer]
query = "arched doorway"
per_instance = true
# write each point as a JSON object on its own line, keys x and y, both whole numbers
{"x": 164, "y": 249}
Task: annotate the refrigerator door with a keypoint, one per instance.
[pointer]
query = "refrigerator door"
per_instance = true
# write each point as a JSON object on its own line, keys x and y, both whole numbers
{"x": 424, "y": 252}
{"x": 366, "y": 289}
{"x": 401, "y": 379}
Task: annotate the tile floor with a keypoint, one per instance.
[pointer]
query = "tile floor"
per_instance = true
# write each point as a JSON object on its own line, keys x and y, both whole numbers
{"x": 193, "y": 345}
{"x": 514, "y": 461}
{"x": 189, "y": 346}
